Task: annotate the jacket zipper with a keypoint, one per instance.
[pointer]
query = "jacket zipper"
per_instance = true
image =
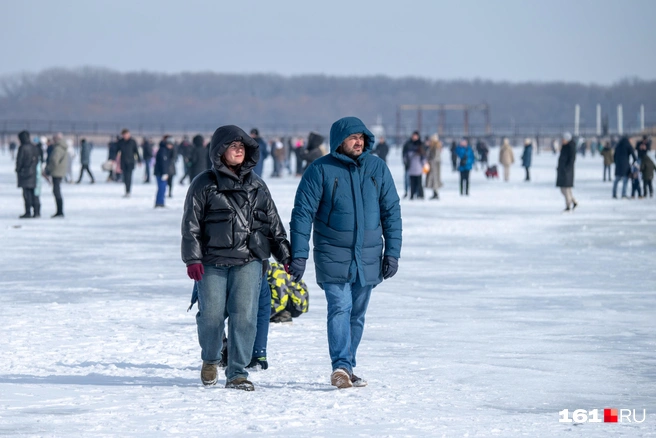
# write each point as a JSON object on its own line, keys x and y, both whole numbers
{"x": 332, "y": 201}
{"x": 375, "y": 183}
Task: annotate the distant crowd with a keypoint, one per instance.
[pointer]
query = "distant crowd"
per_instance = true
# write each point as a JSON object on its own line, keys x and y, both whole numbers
{"x": 51, "y": 160}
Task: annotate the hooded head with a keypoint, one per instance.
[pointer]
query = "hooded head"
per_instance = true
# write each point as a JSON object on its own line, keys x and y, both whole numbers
{"x": 222, "y": 138}
{"x": 24, "y": 137}
{"x": 199, "y": 141}
{"x": 345, "y": 127}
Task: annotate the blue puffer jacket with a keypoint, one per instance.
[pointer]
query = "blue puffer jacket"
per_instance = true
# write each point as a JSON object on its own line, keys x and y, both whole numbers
{"x": 352, "y": 206}
{"x": 468, "y": 152}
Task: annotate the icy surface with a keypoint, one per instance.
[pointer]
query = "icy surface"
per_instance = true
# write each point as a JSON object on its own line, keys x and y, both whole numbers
{"x": 504, "y": 312}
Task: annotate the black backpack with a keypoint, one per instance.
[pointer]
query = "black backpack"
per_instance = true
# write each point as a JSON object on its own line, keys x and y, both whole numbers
{"x": 464, "y": 159}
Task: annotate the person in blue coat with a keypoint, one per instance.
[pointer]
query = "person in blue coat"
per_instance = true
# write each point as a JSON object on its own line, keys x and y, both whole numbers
{"x": 527, "y": 155}
{"x": 350, "y": 199}
{"x": 466, "y": 156}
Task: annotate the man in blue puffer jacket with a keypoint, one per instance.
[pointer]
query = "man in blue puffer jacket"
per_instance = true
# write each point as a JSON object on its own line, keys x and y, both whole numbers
{"x": 351, "y": 200}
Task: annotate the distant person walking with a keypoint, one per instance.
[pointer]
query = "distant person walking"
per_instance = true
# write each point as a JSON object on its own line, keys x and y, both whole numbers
{"x": 12, "y": 150}
{"x": 647, "y": 169}
{"x": 197, "y": 161}
{"x": 643, "y": 147}
{"x": 85, "y": 158}
{"x": 454, "y": 155}
{"x": 147, "y": 153}
{"x": 264, "y": 151}
{"x": 623, "y": 152}
{"x": 70, "y": 150}
{"x": 527, "y": 156}
{"x": 414, "y": 159}
{"x": 381, "y": 149}
{"x": 565, "y": 172}
{"x": 162, "y": 170}
{"x": 27, "y": 168}
{"x": 466, "y": 155}
{"x": 506, "y": 158}
{"x": 434, "y": 158}
{"x": 56, "y": 168}
{"x": 413, "y": 144}
{"x": 608, "y": 154}
{"x": 129, "y": 151}
{"x": 483, "y": 151}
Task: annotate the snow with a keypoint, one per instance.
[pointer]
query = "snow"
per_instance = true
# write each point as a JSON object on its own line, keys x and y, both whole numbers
{"x": 504, "y": 312}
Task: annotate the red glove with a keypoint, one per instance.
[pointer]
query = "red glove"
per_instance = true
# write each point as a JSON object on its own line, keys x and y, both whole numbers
{"x": 196, "y": 271}
{"x": 286, "y": 266}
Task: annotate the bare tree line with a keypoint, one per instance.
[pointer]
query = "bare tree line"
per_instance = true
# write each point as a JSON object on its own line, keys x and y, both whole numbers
{"x": 94, "y": 94}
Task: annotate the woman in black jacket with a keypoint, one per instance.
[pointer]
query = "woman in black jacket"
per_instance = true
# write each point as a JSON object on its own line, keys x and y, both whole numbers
{"x": 565, "y": 172}
{"x": 29, "y": 156}
{"x": 230, "y": 224}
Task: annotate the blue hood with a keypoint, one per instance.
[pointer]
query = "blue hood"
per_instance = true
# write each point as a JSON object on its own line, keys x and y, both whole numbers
{"x": 346, "y": 126}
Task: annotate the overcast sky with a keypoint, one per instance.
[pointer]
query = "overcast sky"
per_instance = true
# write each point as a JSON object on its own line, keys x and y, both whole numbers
{"x": 596, "y": 41}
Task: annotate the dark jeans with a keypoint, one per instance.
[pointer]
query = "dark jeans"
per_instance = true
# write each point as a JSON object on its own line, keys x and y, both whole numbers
{"x": 147, "y": 167}
{"x": 169, "y": 182}
{"x": 464, "y": 181}
{"x": 263, "y": 315}
{"x": 416, "y": 191}
{"x": 647, "y": 183}
{"x": 32, "y": 202}
{"x": 127, "y": 179}
{"x": 56, "y": 190}
{"x": 635, "y": 187}
{"x": 299, "y": 161}
{"x": 607, "y": 168}
{"x": 85, "y": 167}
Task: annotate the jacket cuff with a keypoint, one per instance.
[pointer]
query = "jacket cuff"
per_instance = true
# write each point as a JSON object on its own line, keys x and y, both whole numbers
{"x": 194, "y": 262}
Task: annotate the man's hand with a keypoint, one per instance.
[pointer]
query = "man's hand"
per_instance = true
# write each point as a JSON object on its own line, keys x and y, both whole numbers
{"x": 165, "y": 177}
{"x": 390, "y": 266}
{"x": 296, "y": 269}
{"x": 196, "y": 271}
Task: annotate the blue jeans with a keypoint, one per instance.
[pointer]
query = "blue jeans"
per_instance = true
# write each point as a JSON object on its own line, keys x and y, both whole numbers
{"x": 347, "y": 304}
{"x": 263, "y": 315}
{"x": 161, "y": 191}
{"x": 625, "y": 180}
{"x": 229, "y": 292}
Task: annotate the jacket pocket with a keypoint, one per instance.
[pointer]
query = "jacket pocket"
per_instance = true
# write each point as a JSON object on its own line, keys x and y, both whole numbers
{"x": 332, "y": 200}
{"x": 261, "y": 222}
{"x": 219, "y": 230}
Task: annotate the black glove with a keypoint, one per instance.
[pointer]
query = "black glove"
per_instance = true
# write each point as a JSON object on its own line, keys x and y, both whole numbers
{"x": 296, "y": 269}
{"x": 390, "y": 266}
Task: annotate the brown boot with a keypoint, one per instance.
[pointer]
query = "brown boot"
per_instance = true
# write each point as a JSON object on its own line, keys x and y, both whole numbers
{"x": 341, "y": 379}
{"x": 208, "y": 374}
{"x": 240, "y": 383}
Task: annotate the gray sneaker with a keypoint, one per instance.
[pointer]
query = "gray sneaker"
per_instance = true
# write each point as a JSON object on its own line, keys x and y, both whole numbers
{"x": 341, "y": 379}
{"x": 240, "y": 383}
{"x": 358, "y": 382}
{"x": 208, "y": 374}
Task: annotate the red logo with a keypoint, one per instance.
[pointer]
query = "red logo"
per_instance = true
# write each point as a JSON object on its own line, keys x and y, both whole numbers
{"x": 610, "y": 415}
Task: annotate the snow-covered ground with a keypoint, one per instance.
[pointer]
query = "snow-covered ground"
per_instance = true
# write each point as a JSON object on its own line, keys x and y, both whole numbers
{"x": 504, "y": 312}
